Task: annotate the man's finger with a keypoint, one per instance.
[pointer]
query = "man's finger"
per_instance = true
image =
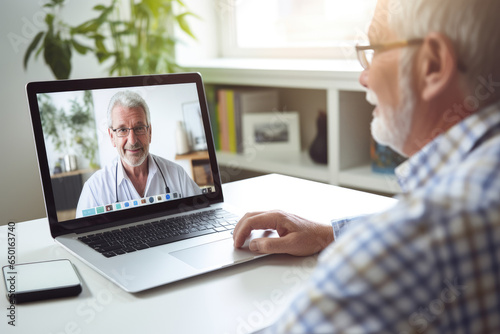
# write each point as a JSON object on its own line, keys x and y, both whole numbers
{"x": 252, "y": 221}
{"x": 272, "y": 245}
{"x": 237, "y": 229}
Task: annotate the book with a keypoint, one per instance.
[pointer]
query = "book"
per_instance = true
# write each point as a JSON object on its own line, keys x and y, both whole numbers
{"x": 231, "y": 125}
{"x": 223, "y": 121}
{"x": 232, "y": 104}
{"x": 211, "y": 93}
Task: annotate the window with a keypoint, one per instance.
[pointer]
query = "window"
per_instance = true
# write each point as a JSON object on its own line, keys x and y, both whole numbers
{"x": 294, "y": 28}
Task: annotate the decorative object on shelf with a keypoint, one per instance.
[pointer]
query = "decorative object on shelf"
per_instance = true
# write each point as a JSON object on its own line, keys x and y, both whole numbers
{"x": 194, "y": 126}
{"x": 318, "y": 151}
{"x": 384, "y": 159}
{"x": 57, "y": 168}
{"x": 137, "y": 35}
{"x": 181, "y": 139}
{"x": 271, "y": 132}
{"x": 70, "y": 163}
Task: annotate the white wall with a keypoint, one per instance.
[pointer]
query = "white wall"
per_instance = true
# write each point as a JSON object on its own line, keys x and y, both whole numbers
{"x": 204, "y": 28}
{"x": 21, "y": 197}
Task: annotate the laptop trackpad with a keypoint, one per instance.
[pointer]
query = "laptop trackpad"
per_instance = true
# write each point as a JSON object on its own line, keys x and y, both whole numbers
{"x": 219, "y": 253}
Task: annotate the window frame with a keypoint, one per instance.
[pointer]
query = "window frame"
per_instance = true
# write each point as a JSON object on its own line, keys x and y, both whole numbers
{"x": 228, "y": 47}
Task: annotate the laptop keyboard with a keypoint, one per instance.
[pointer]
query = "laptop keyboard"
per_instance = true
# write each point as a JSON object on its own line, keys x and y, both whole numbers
{"x": 161, "y": 232}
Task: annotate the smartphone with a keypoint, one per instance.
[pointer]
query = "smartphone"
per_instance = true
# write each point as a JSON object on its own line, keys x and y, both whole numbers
{"x": 41, "y": 280}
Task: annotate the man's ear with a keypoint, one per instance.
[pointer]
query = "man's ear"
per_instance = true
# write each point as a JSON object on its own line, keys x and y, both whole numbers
{"x": 438, "y": 65}
{"x": 150, "y": 129}
{"x": 112, "y": 136}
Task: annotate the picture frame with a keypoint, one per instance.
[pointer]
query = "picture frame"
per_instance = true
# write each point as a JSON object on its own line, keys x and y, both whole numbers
{"x": 271, "y": 132}
{"x": 194, "y": 126}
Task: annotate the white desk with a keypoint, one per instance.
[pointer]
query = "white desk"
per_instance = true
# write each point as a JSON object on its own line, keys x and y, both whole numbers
{"x": 234, "y": 300}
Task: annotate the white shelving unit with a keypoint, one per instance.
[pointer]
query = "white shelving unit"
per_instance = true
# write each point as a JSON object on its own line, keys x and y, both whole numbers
{"x": 362, "y": 177}
{"x": 299, "y": 165}
{"x": 307, "y": 87}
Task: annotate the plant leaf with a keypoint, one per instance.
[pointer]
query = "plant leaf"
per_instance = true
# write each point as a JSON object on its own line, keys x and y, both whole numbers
{"x": 183, "y": 24}
{"x": 181, "y": 3}
{"x": 54, "y": 3}
{"x": 99, "y": 43}
{"x": 150, "y": 7}
{"x": 40, "y": 49}
{"x": 125, "y": 32}
{"x": 86, "y": 27}
{"x": 100, "y": 7}
{"x": 101, "y": 56}
{"x": 32, "y": 47}
{"x": 49, "y": 19}
{"x": 57, "y": 55}
{"x": 81, "y": 49}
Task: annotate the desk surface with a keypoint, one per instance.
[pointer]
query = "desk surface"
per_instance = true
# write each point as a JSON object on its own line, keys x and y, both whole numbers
{"x": 239, "y": 299}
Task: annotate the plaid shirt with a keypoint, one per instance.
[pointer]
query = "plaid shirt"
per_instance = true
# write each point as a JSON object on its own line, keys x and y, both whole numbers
{"x": 430, "y": 263}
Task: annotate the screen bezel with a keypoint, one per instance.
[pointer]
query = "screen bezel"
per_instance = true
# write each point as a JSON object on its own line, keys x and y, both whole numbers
{"x": 116, "y": 218}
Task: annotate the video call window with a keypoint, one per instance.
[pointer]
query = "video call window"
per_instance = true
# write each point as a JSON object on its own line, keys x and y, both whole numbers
{"x": 78, "y": 145}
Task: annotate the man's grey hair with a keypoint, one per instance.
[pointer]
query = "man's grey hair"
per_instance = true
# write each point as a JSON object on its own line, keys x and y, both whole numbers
{"x": 472, "y": 26}
{"x": 128, "y": 99}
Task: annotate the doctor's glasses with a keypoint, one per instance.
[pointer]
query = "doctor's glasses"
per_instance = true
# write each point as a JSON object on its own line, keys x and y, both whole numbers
{"x": 138, "y": 131}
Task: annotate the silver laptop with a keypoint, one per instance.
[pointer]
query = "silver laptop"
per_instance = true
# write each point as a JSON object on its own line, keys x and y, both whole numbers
{"x": 175, "y": 228}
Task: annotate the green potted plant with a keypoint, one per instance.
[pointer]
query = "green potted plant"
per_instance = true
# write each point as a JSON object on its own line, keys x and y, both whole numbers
{"x": 137, "y": 37}
{"x": 71, "y": 131}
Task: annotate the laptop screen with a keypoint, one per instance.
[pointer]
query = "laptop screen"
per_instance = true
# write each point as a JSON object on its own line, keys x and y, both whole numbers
{"x": 109, "y": 150}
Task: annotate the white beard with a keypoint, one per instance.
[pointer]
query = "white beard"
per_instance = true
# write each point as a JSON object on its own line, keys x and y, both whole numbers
{"x": 391, "y": 127}
{"x": 136, "y": 163}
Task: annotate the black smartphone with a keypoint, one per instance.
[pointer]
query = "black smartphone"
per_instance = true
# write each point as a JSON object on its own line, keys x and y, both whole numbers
{"x": 41, "y": 280}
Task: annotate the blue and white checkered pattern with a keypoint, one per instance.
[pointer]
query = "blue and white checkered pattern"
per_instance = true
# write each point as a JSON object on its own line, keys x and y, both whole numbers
{"x": 431, "y": 263}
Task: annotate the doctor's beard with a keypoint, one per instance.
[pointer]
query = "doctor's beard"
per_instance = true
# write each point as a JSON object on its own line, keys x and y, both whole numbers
{"x": 391, "y": 126}
{"x": 138, "y": 161}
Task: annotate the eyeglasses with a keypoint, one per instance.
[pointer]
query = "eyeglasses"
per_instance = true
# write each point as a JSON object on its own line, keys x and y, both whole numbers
{"x": 138, "y": 131}
{"x": 365, "y": 52}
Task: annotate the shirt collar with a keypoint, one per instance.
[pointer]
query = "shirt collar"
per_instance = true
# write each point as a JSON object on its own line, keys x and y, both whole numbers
{"x": 447, "y": 149}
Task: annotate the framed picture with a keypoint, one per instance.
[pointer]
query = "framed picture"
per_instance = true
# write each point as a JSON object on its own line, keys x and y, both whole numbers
{"x": 194, "y": 126}
{"x": 271, "y": 131}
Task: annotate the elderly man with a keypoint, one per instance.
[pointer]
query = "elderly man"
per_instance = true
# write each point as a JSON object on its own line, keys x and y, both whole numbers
{"x": 430, "y": 263}
{"x": 135, "y": 173}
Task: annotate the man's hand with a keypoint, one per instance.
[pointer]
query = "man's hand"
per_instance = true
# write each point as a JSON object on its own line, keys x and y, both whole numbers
{"x": 298, "y": 236}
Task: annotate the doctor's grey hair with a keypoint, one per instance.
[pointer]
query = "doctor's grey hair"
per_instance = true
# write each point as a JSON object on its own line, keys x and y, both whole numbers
{"x": 128, "y": 99}
{"x": 471, "y": 25}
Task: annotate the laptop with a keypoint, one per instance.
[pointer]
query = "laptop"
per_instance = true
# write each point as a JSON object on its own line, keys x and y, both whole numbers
{"x": 137, "y": 242}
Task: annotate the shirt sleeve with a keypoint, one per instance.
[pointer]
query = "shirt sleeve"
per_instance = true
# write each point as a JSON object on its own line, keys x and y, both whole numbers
{"x": 341, "y": 226}
{"x": 371, "y": 280}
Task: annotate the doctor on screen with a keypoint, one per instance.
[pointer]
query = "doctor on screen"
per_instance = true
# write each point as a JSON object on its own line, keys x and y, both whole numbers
{"x": 135, "y": 173}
